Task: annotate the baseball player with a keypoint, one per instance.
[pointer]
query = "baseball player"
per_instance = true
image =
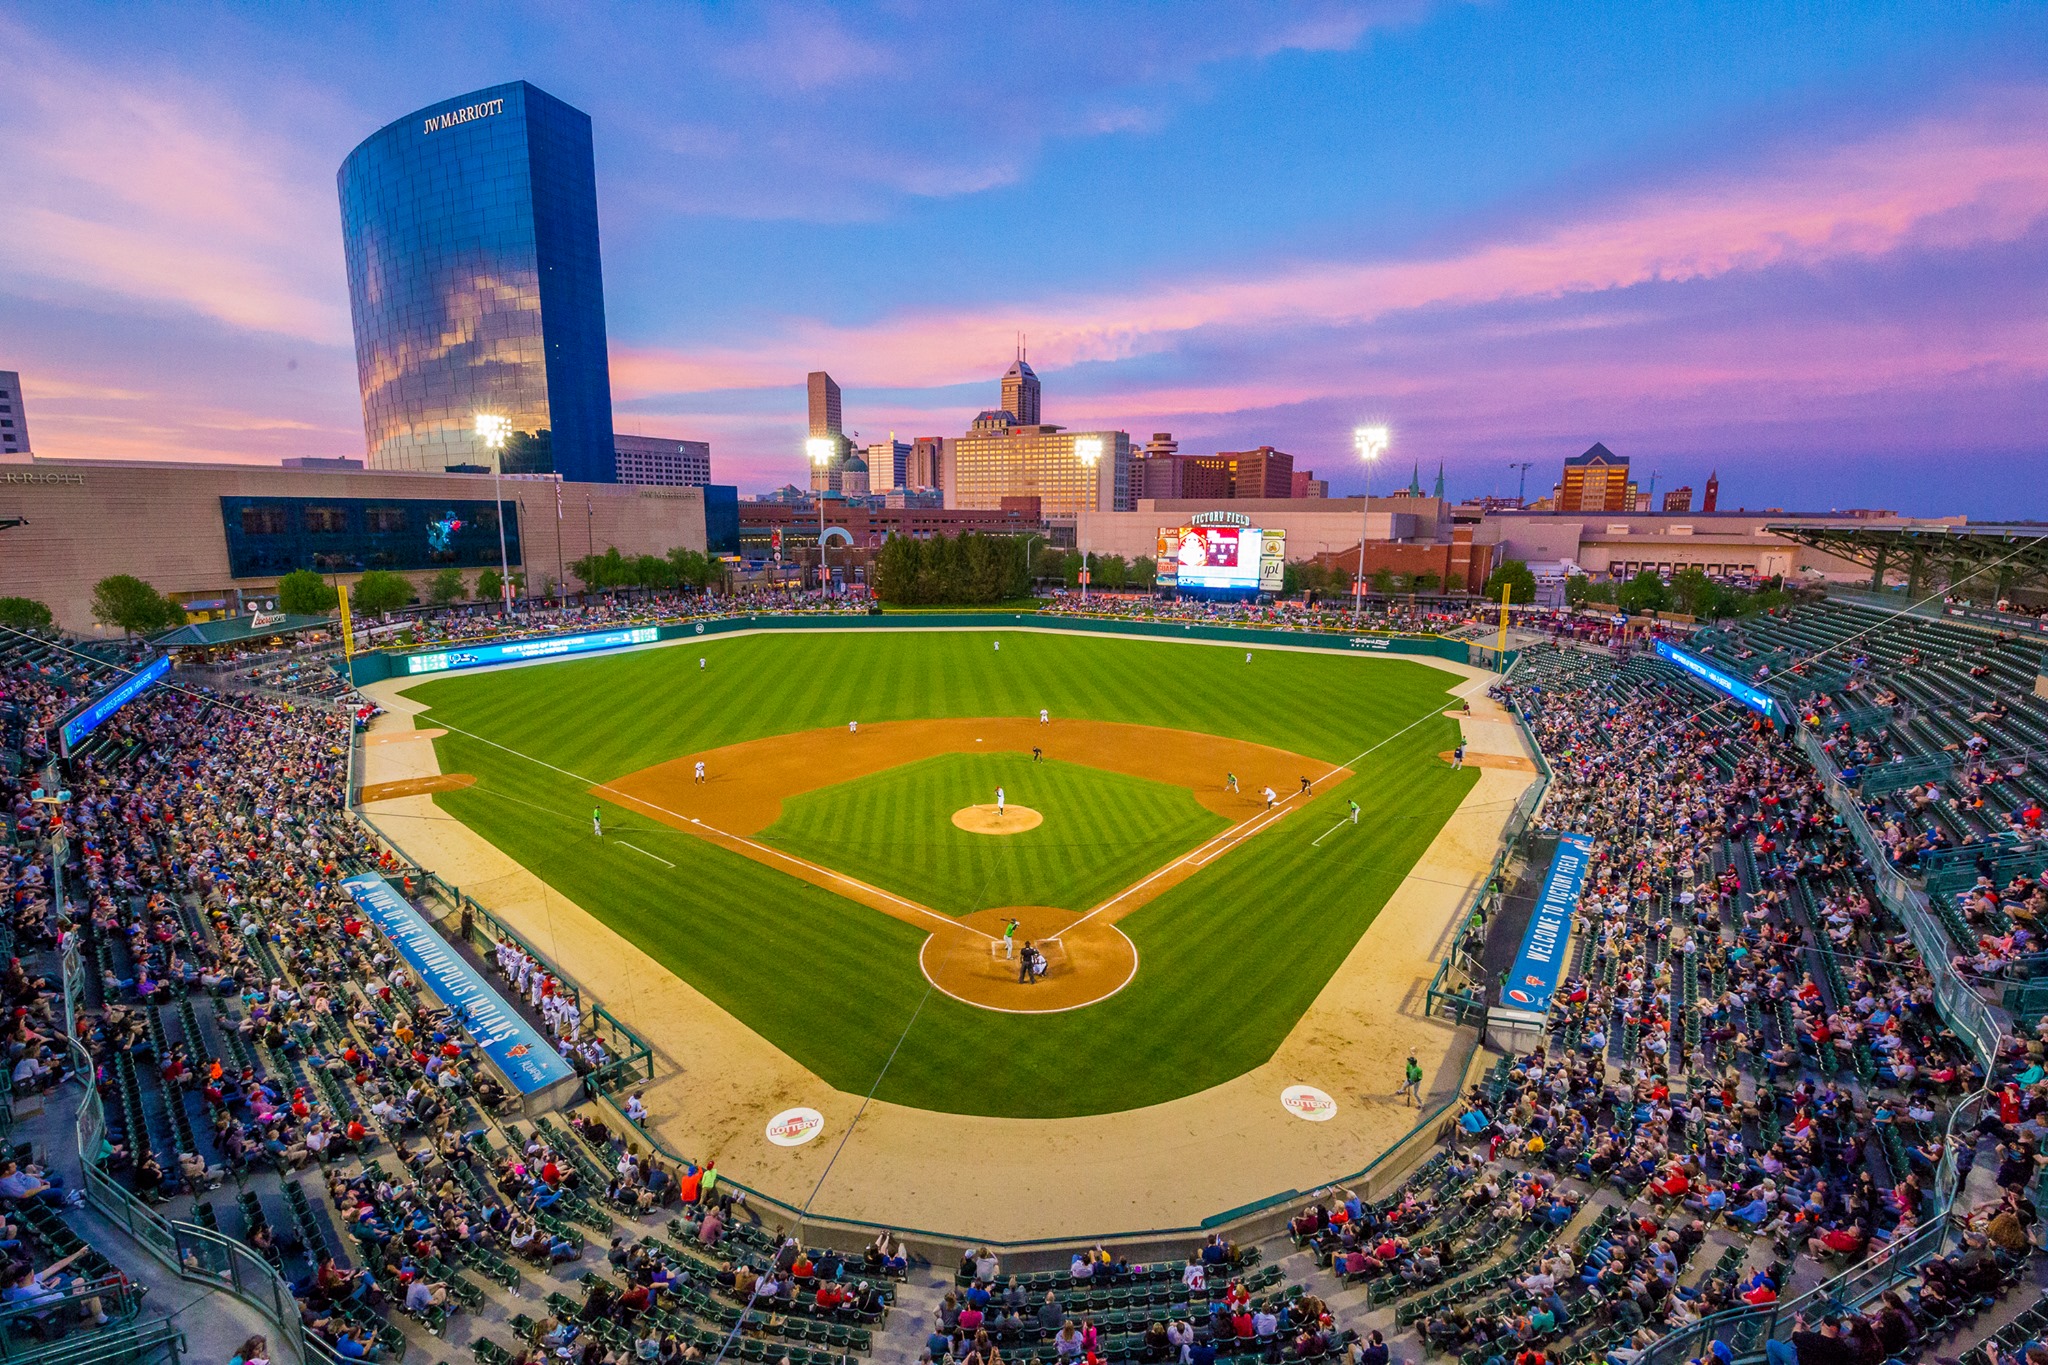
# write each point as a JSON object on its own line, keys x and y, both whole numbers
{"x": 1043, "y": 718}
{"x": 700, "y": 772}
{"x": 999, "y": 803}
{"x": 1010, "y": 939}
{"x": 596, "y": 823}
{"x": 1271, "y": 796}
{"x": 1230, "y": 782}
{"x": 853, "y": 727}
{"x": 1354, "y": 812}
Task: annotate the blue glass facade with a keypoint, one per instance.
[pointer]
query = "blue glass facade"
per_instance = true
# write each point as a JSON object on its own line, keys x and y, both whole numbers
{"x": 470, "y": 230}
{"x": 722, "y": 519}
{"x": 270, "y": 537}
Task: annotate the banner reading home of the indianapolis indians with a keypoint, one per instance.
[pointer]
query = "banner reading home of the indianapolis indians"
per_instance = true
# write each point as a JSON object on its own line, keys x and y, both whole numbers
{"x": 1533, "y": 979}
{"x": 526, "y": 1058}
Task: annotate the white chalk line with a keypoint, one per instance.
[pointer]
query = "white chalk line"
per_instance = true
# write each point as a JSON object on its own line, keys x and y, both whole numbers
{"x": 637, "y": 849}
{"x": 625, "y": 798}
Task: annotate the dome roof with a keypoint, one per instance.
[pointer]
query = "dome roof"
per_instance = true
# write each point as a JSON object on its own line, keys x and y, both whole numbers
{"x": 855, "y": 462}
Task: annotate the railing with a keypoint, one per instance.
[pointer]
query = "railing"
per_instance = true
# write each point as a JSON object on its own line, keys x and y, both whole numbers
{"x": 142, "y": 1343}
{"x": 1967, "y": 1012}
{"x": 22, "y": 1325}
{"x": 193, "y": 1253}
{"x": 1745, "y": 1330}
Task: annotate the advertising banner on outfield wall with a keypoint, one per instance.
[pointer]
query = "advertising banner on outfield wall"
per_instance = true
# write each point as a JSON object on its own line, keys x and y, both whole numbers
{"x": 1539, "y": 965}
{"x": 514, "y": 1046}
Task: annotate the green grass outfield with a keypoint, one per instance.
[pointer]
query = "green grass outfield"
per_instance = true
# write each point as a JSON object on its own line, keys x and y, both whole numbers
{"x": 1229, "y": 959}
{"x": 1102, "y": 831}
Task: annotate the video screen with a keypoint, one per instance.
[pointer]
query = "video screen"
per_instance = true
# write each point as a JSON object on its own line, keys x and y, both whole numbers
{"x": 1211, "y": 556}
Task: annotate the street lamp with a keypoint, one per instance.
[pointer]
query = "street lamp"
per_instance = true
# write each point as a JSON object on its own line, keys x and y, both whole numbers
{"x": 821, "y": 449}
{"x": 1088, "y": 450}
{"x": 1371, "y": 443}
{"x": 493, "y": 431}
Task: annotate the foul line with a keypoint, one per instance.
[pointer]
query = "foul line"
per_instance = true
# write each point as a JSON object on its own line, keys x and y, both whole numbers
{"x": 637, "y": 849}
{"x": 625, "y": 798}
{"x": 1331, "y": 830}
{"x": 1229, "y": 838}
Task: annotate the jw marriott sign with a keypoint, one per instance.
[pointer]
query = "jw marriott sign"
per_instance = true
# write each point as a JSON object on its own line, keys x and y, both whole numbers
{"x": 467, "y": 114}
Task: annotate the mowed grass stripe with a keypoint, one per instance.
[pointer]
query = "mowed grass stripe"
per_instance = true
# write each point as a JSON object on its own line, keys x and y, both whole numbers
{"x": 1230, "y": 957}
{"x": 1101, "y": 831}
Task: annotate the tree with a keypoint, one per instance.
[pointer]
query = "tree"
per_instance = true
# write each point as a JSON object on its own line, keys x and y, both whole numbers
{"x": 1513, "y": 575}
{"x": 305, "y": 593}
{"x": 447, "y": 586}
{"x": 25, "y": 613}
{"x": 126, "y": 601}
{"x": 1695, "y": 594}
{"x": 1644, "y": 592}
{"x": 600, "y": 572}
{"x": 1427, "y": 582}
{"x": 694, "y": 570}
{"x": 380, "y": 590}
{"x": 948, "y": 570}
{"x": 1144, "y": 572}
{"x": 1383, "y": 581}
{"x": 1049, "y": 562}
{"x": 490, "y": 587}
{"x": 1576, "y": 592}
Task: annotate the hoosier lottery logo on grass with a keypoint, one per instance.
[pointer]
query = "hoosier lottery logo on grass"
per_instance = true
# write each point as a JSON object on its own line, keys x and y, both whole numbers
{"x": 1307, "y": 1102}
{"x": 795, "y": 1127}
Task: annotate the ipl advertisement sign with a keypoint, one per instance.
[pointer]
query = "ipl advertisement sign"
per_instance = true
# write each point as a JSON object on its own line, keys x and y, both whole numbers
{"x": 1533, "y": 979}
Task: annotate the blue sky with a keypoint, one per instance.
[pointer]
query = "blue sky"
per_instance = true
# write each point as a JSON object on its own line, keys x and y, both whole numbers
{"x": 1803, "y": 245}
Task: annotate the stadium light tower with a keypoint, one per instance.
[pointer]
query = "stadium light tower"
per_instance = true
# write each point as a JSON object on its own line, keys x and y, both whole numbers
{"x": 1088, "y": 450}
{"x": 821, "y": 449}
{"x": 494, "y": 431}
{"x": 1371, "y": 443}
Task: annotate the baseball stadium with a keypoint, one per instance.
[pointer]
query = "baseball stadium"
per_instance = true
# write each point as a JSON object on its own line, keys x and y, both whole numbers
{"x": 779, "y": 853}
{"x": 720, "y": 973}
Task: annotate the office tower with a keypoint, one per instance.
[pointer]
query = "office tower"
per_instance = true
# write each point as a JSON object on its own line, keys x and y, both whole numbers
{"x": 13, "y": 415}
{"x": 927, "y": 461}
{"x": 1596, "y": 481}
{"x": 825, "y": 424}
{"x": 470, "y": 232}
{"x": 1261, "y": 473}
{"x": 1679, "y": 499}
{"x": 661, "y": 461}
{"x": 888, "y": 465}
{"x": 1020, "y": 392}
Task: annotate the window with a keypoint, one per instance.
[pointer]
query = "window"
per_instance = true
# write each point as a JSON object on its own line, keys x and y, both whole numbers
{"x": 262, "y": 521}
{"x": 326, "y": 520}
{"x": 384, "y": 519}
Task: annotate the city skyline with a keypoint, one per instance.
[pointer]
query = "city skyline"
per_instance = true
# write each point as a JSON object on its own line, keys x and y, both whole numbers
{"x": 1806, "y": 251}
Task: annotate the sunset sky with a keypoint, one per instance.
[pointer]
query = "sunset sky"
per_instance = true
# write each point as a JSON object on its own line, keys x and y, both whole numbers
{"x": 1805, "y": 245}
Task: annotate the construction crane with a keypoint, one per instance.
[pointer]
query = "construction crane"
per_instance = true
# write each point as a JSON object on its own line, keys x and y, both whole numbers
{"x": 1522, "y": 483}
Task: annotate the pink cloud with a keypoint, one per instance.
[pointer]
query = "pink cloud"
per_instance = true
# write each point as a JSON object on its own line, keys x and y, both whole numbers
{"x": 1975, "y": 177}
{"x": 160, "y": 193}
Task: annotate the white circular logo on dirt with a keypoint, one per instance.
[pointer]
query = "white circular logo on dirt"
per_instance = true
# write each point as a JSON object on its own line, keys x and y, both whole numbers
{"x": 1307, "y": 1102}
{"x": 795, "y": 1127}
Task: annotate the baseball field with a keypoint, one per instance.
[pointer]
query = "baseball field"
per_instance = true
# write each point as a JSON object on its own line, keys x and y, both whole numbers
{"x": 844, "y": 891}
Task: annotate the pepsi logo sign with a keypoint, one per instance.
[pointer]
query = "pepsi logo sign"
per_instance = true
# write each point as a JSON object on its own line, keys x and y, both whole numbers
{"x": 795, "y": 1127}
{"x": 1307, "y": 1102}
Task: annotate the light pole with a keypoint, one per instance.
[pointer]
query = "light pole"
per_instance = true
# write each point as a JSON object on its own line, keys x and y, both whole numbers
{"x": 493, "y": 431}
{"x": 1371, "y": 443}
{"x": 821, "y": 449}
{"x": 1088, "y": 450}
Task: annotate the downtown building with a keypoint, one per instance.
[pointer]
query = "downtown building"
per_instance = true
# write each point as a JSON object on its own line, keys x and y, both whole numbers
{"x": 470, "y": 232}
{"x": 1004, "y": 456}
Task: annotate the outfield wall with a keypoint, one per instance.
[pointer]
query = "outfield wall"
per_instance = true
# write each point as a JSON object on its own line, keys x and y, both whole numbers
{"x": 369, "y": 668}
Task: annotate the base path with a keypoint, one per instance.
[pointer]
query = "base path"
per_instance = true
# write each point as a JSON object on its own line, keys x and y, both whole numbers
{"x": 746, "y": 784}
{"x": 1168, "y": 1165}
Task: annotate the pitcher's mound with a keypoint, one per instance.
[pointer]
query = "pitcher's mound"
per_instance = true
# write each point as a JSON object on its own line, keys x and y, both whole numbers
{"x": 984, "y": 820}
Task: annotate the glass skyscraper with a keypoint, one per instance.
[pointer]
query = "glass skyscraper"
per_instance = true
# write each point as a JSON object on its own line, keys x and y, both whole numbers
{"x": 470, "y": 229}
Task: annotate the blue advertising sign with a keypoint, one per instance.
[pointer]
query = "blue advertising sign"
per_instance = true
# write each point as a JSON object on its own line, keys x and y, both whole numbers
{"x": 516, "y": 651}
{"x": 1530, "y": 983}
{"x": 101, "y": 709}
{"x": 528, "y": 1060}
{"x": 1725, "y": 683}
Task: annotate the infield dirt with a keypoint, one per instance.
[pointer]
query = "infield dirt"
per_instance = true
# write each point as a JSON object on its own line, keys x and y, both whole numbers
{"x": 1163, "y": 1165}
{"x": 745, "y": 785}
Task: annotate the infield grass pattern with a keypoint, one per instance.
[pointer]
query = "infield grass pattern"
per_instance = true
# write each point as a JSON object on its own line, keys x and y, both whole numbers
{"x": 1102, "y": 831}
{"x": 1229, "y": 958}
